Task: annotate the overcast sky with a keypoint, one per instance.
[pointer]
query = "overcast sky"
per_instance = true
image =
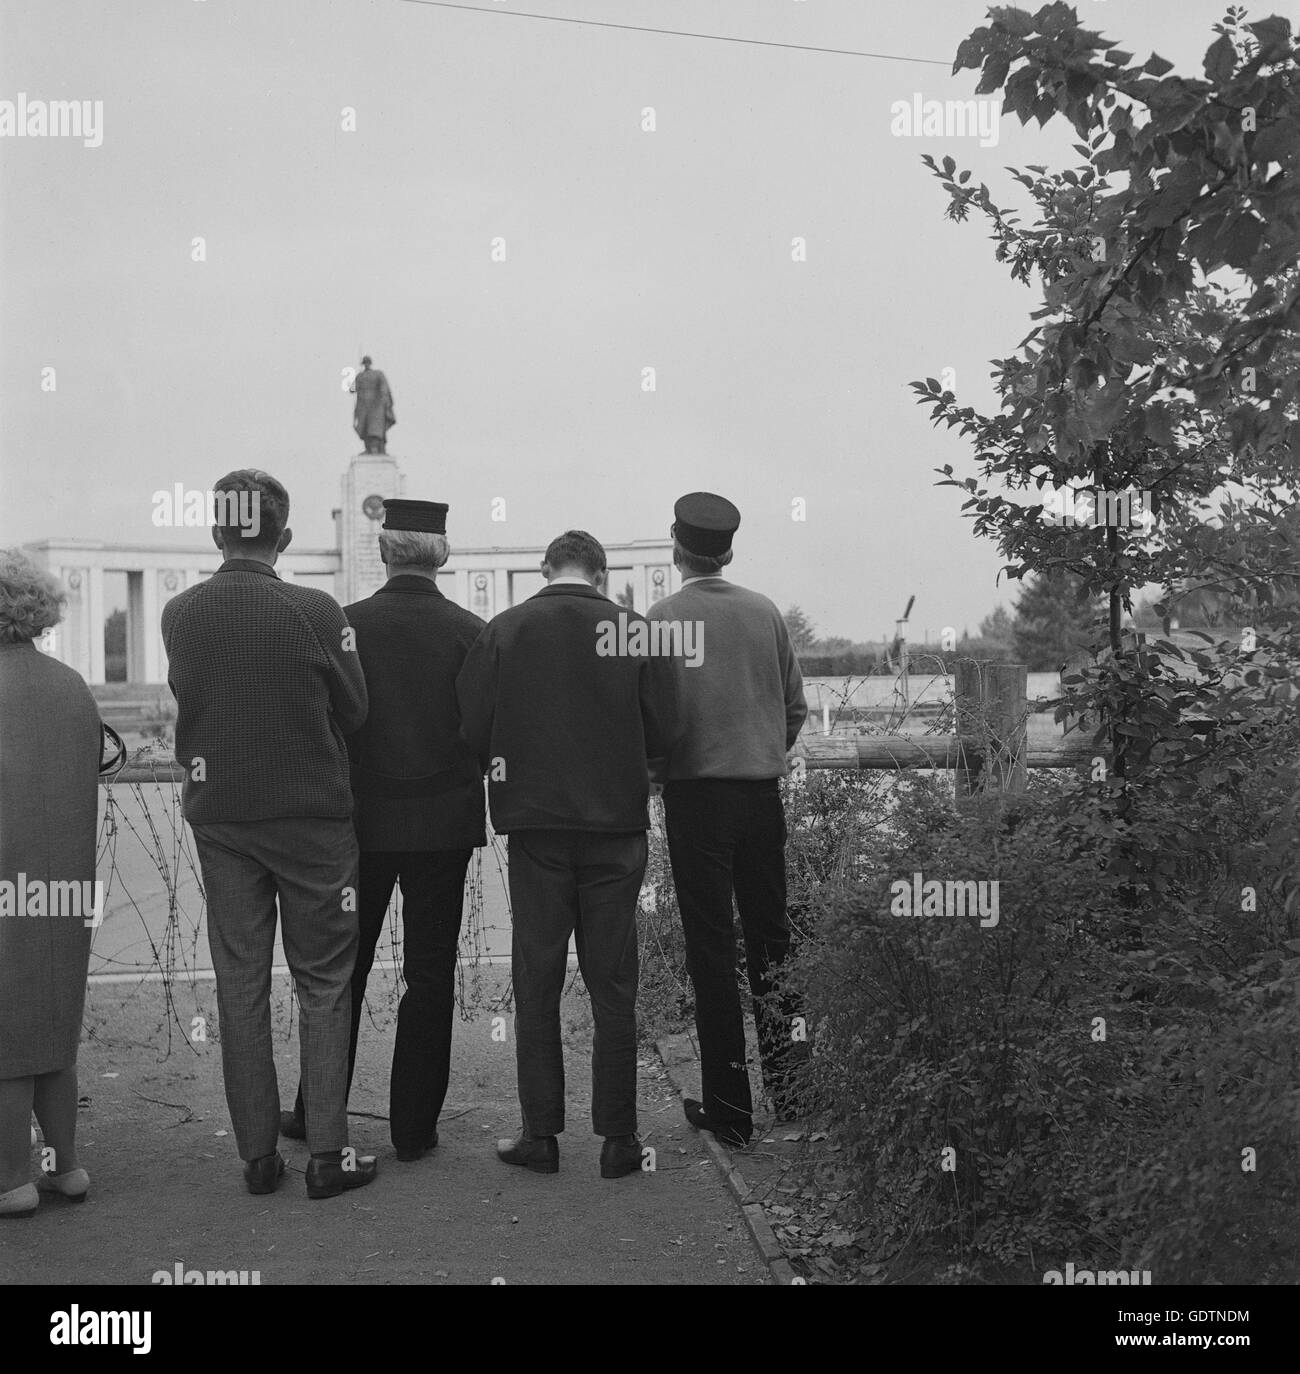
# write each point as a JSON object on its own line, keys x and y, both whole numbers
{"x": 521, "y": 379}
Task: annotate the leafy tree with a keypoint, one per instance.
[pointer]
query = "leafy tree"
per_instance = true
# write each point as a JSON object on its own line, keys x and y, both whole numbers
{"x": 993, "y": 642}
{"x": 1054, "y": 621}
{"x": 997, "y": 629}
{"x": 803, "y": 632}
{"x": 1160, "y": 898}
{"x": 1162, "y": 360}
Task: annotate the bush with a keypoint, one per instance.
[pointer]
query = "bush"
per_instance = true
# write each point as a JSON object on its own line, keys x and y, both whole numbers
{"x": 933, "y": 1034}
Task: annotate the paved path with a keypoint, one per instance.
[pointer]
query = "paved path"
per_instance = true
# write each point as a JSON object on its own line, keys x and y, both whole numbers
{"x": 166, "y": 1185}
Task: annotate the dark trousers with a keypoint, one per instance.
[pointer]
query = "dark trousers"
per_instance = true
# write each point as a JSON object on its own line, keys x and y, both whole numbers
{"x": 304, "y": 864}
{"x": 433, "y": 892}
{"x": 728, "y": 835}
{"x": 562, "y": 883}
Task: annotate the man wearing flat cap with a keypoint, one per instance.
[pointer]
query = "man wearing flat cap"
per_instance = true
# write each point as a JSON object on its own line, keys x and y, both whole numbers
{"x": 741, "y": 708}
{"x": 419, "y": 808}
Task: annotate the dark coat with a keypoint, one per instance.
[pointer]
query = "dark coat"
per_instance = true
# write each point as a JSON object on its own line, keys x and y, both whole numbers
{"x": 417, "y": 786}
{"x": 49, "y": 799}
{"x": 564, "y": 733}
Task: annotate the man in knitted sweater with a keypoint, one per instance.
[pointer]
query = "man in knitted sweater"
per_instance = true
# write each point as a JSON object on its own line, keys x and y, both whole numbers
{"x": 267, "y": 683}
{"x": 740, "y": 709}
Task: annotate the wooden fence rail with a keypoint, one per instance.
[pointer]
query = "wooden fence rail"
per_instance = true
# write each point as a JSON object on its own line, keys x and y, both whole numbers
{"x": 934, "y": 751}
{"x": 989, "y": 751}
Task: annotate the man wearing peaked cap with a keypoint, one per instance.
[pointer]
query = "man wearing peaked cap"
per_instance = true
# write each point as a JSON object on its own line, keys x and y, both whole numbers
{"x": 419, "y": 808}
{"x": 741, "y": 709}
{"x": 705, "y": 523}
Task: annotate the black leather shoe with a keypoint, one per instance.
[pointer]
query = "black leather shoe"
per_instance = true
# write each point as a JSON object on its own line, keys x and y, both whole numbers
{"x": 264, "y": 1175}
{"x": 620, "y": 1155}
{"x": 540, "y": 1153}
{"x": 292, "y": 1127}
{"x": 407, "y": 1154}
{"x": 328, "y": 1177}
{"x": 734, "y": 1137}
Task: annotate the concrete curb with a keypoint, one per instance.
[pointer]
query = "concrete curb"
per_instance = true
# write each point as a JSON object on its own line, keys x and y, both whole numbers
{"x": 760, "y": 1230}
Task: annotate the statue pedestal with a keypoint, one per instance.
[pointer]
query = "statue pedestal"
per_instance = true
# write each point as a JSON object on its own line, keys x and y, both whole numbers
{"x": 371, "y": 479}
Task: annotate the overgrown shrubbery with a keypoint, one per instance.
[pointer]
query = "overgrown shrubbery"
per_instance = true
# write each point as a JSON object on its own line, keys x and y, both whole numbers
{"x": 1158, "y": 897}
{"x": 933, "y": 1033}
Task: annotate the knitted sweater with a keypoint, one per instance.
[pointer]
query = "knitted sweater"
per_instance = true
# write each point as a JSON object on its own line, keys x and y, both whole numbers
{"x": 741, "y": 709}
{"x": 265, "y": 690}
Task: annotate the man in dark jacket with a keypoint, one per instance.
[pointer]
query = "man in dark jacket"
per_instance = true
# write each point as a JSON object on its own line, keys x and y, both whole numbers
{"x": 267, "y": 684}
{"x": 563, "y": 722}
{"x": 419, "y": 809}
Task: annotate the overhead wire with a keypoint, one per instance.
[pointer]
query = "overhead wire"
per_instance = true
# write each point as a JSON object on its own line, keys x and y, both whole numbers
{"x": 676, "y": 33}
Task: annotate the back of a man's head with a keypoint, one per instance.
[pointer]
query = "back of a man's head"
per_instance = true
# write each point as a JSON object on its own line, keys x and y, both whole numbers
{"x": 697, "y": 564}
{"x": 575, "y": 552}
{"x": 413, "y": 550}
{"x": 252, "y": 511}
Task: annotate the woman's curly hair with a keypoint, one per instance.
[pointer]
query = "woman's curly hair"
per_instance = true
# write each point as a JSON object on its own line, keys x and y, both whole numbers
{"x": 31, "y": 600}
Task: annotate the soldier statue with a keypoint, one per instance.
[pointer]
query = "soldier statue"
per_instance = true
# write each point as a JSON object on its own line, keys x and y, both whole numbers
{"x": 373, "y": 416}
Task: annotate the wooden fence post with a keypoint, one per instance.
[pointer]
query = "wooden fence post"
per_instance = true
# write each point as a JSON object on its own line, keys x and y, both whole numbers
{"x": 991, "y": 727}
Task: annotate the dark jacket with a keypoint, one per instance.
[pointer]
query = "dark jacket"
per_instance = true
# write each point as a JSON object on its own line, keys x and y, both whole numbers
{"x": 265, "y": 691}
{"x": 563, "y": 732}
{"x": 49, "y": 797}
{"x": 416, "y": 783}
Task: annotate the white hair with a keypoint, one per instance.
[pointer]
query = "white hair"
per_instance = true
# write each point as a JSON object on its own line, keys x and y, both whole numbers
{"x": 413, "y": 549}
{"x": 698, "y": 564}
